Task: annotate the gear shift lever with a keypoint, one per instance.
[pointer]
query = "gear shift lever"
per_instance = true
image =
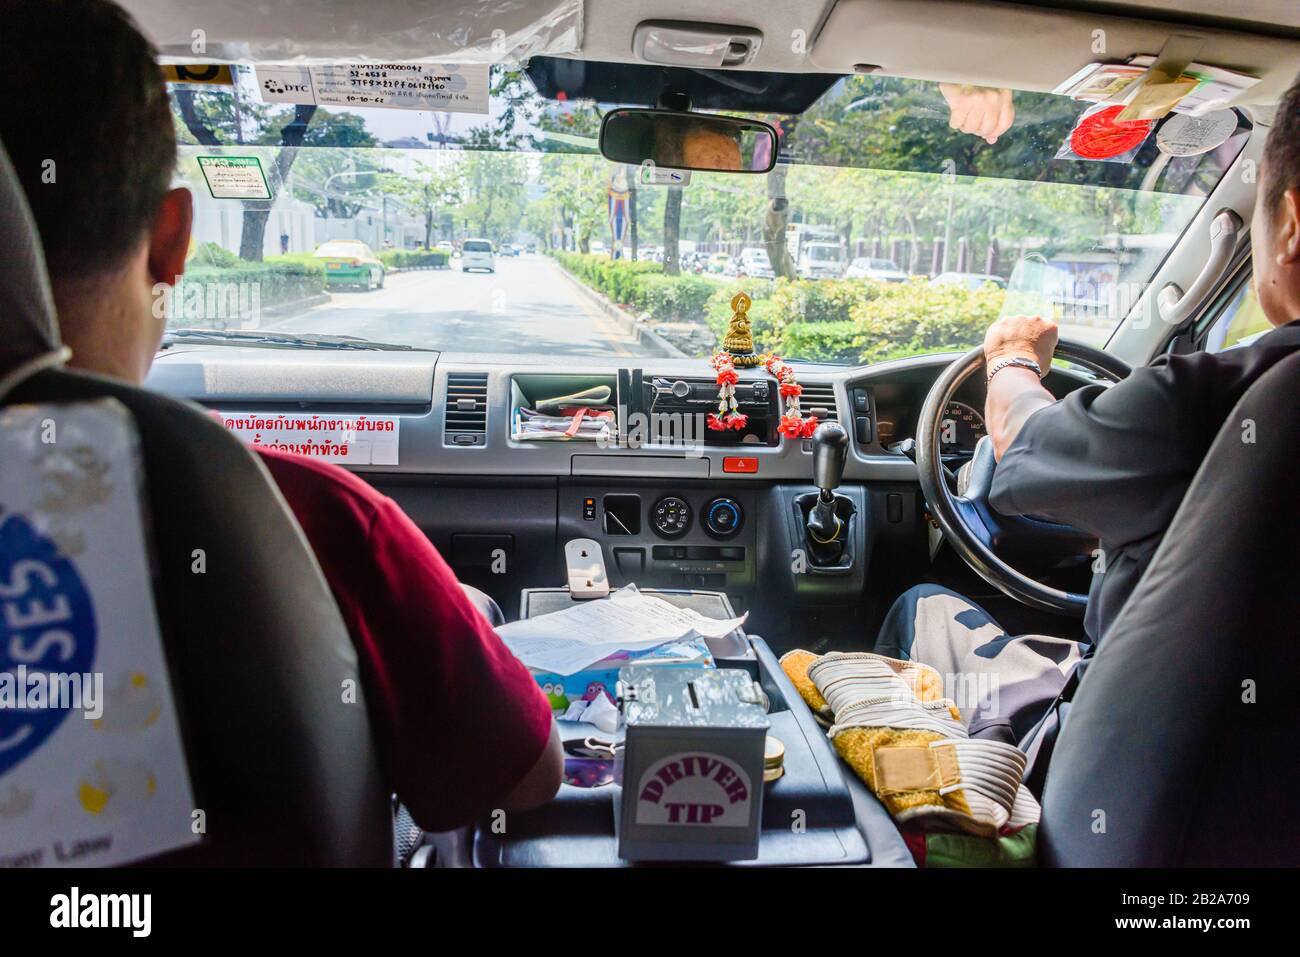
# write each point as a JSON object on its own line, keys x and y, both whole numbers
{"x": 830, "y": 447}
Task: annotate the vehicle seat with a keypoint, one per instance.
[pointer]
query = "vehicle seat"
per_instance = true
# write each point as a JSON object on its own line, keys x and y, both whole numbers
{"x": 284, "y": 769}
{"x": 1179, "y": 748}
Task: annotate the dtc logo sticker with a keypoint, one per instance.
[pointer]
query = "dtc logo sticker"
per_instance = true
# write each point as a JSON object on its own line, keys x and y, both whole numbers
{"x": 705, "y": 790}
{"x": 47, "y": 623}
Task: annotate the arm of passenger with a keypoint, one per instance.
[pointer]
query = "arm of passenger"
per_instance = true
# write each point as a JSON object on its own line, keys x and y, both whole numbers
{"x": 543, "y": 780}
{"x": 471, "y": 730}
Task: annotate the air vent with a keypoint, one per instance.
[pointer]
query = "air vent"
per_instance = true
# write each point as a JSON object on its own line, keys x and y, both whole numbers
{"x": 466, "y": 422}
{"x": 818, "y": 399}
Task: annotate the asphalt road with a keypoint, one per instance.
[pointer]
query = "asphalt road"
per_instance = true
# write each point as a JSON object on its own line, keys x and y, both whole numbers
{"x": 527, "y": 306}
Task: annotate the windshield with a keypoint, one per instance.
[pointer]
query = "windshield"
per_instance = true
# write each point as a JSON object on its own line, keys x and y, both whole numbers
{"x": 871, "y": 174}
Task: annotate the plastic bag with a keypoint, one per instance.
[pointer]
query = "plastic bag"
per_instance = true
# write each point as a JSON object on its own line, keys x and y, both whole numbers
{"x": 311, "y": 32}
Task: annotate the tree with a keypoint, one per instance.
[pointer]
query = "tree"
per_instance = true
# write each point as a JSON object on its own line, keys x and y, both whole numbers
{"x": 217, "y": 118}
{"x": 428, "y": 189}
{"x": 495, "y": 192}
{"x": 672, "y": 230}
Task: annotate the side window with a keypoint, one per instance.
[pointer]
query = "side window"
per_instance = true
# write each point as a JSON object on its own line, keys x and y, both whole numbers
{"x": 1240, "y": 322}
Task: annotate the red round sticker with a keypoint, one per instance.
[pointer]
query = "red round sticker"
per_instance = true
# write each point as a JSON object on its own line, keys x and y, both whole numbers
{"x": 1099, "y": 137}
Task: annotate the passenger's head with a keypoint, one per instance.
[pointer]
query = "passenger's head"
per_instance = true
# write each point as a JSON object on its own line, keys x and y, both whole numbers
{"x": 1275, "y": 229}
{"x": 95, "y": 156}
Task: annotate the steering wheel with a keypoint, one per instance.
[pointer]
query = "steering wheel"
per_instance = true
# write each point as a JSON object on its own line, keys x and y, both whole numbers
{"x": 967, "y": 520}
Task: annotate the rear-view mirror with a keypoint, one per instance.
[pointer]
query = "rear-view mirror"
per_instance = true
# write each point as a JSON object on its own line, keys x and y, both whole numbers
{"x": 694, "y": 141}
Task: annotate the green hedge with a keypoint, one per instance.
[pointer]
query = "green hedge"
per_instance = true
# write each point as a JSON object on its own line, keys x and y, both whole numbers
{"x": 642, "y": 286}
{"x": 845, "y": 320}
{"x": 413, "y": 258}
{"x": 226, "y": 296}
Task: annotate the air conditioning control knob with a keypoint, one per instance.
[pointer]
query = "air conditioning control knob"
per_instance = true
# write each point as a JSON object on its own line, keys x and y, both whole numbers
{"x": 723, "y": 517}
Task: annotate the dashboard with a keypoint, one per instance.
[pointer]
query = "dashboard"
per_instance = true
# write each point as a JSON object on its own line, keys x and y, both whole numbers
{"x": 725, "y": 515}
{"x": 454, "y": 411}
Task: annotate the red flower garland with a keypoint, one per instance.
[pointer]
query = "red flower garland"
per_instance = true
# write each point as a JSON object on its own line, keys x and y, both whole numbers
{"x": 793, "y": 423}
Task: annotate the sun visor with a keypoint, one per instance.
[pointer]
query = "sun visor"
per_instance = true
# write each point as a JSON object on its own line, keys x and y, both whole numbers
{"x": 1027, "y": 47}
{"x": 325, "y": 32}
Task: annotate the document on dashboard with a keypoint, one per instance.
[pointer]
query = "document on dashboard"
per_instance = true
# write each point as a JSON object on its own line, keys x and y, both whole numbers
{"x": 567, "y": 641}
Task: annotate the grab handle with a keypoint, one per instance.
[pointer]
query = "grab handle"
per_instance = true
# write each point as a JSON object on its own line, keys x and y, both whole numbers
{"x": 1175, "y": 305}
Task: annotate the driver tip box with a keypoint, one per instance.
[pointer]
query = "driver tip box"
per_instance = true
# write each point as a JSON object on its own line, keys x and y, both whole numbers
{"x": 693, "y": 765}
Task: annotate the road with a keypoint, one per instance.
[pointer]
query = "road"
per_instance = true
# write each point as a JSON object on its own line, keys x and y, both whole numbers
{"x": 527, "y": 306}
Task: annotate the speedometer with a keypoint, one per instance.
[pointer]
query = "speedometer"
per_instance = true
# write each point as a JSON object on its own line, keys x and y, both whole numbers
{"x": 960, "y": 428}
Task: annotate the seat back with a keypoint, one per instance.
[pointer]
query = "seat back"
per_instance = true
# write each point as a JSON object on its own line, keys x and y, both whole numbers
{"x": 264, "y": 675}
{"x": 1179, "y": 748}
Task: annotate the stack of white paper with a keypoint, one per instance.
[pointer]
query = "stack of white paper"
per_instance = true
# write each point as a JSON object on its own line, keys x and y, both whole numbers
{"x": 565, "y": 642}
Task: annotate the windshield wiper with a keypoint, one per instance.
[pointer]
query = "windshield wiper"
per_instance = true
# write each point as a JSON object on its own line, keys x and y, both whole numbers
{"x": 310, "y": 340}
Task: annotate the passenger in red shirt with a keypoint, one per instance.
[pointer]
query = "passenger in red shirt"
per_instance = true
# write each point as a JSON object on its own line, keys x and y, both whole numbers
{"x": 460, "y": 722}
{"x": 461, "y": 726}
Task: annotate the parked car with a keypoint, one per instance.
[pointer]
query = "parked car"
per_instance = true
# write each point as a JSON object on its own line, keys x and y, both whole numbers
{"x": 885, "y": 270}
{"x": 350, "y": 262}
{"x": 971, "y": 280}
{"x": 477, "y": 254}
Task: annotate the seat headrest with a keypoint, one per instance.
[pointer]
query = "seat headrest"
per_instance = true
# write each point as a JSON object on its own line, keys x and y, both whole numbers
{"x": 28, "y": 323}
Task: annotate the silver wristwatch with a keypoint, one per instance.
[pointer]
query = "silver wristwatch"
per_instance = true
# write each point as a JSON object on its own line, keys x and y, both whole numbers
{"x": 1014, "y": 361}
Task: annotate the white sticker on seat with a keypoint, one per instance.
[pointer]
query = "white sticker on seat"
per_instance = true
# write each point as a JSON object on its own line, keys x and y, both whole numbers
{"x": 92, "y": 766}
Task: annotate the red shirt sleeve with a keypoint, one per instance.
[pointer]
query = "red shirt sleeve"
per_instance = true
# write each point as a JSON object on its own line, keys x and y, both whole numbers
{"x": 458, "y": 720}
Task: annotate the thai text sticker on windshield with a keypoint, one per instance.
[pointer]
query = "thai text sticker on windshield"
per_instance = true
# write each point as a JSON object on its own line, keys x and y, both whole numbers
{"x": 234, "y": 177}
{"x": 347, "y": 440}
{"x": 442, "y": 87}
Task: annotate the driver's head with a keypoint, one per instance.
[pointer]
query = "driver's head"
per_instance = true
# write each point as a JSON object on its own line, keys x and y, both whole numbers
{"x": 95, "y": 156}
{"x": 1275, "y": 228}
{"x": 695, "y": 145}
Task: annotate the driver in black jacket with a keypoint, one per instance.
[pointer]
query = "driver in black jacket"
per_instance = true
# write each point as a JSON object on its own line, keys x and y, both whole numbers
{"x": 1114, "y": 462}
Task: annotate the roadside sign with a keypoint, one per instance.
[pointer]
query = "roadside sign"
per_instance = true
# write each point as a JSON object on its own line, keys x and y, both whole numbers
{"x": 234, "y": 177}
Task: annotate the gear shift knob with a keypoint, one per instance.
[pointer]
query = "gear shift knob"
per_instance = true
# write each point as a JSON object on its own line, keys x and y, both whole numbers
{"x": 830, "y": 447}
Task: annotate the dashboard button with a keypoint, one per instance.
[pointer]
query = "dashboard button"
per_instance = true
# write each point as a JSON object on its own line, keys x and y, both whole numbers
{"x": 739, "y": 463}
{"x": 862, "y": 425}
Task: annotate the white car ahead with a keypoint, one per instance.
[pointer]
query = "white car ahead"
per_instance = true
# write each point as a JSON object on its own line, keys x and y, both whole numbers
{"x": 477, "y": 254}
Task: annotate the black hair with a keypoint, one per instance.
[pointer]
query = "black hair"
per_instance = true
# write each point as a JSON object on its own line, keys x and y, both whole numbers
{"x": 87, "y": 124}
{"x": 1282, "y": 149}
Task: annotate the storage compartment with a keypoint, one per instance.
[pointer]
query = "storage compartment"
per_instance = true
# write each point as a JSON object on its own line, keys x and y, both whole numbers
{"x": 622, "y": 514}
{"x": 564, "y": 408}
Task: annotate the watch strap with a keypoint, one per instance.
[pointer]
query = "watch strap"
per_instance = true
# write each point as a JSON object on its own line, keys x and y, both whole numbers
{"x": 1020, "y": 361}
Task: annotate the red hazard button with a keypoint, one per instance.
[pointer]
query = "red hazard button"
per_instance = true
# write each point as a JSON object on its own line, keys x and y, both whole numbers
{"x": 739, "y": 463}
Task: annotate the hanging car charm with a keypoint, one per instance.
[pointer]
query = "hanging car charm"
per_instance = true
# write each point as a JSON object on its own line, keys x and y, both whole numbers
{"x": 738, "y": 350}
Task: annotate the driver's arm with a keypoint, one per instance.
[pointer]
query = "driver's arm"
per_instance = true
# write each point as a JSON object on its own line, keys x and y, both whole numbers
{"x": 1015, "y": 393}
{"x": 1112, "y": 461}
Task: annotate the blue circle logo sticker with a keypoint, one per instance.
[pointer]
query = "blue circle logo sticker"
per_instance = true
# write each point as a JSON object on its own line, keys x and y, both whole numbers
{"x": 47, "y": 625}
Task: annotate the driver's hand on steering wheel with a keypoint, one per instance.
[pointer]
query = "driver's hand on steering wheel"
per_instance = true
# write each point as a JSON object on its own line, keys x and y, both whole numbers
{"x": 1029, "y": 337}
